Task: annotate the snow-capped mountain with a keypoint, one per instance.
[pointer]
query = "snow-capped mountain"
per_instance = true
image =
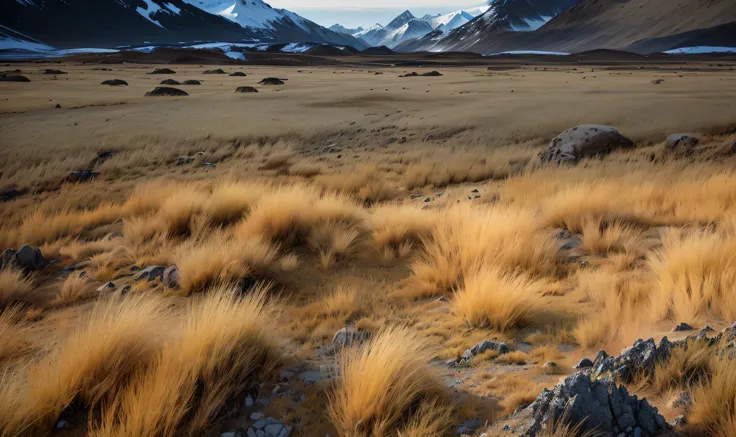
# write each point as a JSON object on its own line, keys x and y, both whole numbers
{"x": 109, "y": 23}
{"x": 451, "y": 21}
{"x": 501, "y": 15}
{"x": 341, "y": 29}
{"x": 406, "y": 26}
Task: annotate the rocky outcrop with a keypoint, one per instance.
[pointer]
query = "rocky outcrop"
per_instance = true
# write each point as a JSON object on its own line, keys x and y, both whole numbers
{"x": 681, "y": 143}
{"x": 599, "y": 406}
{"x": 246, "y": 89}
{"x": 641, "y": 358}
{"x": 582, "y": 142}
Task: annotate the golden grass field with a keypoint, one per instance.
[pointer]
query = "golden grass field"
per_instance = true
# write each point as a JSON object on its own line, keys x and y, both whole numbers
{"x": 415, "y": 209}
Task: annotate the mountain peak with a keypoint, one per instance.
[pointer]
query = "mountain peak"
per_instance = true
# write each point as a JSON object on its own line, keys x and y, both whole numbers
{"x": 402, "y": 19}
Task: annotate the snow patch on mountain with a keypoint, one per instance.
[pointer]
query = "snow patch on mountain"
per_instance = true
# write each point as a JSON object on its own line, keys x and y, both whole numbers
{"x": 151, "y": 8}
{"x": 249, "y": 13}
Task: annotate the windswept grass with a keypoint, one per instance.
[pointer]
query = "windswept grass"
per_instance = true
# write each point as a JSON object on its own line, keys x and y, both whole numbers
{"x": 90, "y": 366}
{"x": 230, "y": 201}
{"x": 468, "y": 240}
{"x": 74, "y": 288}
{"x": 227, "y": 344}
{"x": 13, "y": 332}
{"x": 386, "y": 387}
{"x": 15, "y": 286}
{"x": 714, "y": 402}
{"x": 696, "y": 276}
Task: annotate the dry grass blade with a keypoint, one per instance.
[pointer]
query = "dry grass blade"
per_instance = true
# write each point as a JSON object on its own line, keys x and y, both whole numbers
{"x": 15, "y": 286}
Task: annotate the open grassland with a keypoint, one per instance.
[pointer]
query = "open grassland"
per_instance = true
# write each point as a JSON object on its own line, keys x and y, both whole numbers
{"x": 414, "y": 211}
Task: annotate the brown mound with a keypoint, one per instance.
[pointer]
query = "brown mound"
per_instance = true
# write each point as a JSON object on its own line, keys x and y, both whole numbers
{"x": 52, "y": 71}
{"x": 170, "y": 82}
{"x": 271, "y": 81}
{"x": 432, "y": 74}
{"x": 166, "y": 91}
{"x": 412, "y": 74}
{"x": 238, "y": 74}
{"x": 163, "y": 71}
{"x": 215, "y": 71}
{"x": 115, "y": 82}
{"x": 246, "y": 89}
{"x": 14, "y": 78}
{"x": 191, "y": 82}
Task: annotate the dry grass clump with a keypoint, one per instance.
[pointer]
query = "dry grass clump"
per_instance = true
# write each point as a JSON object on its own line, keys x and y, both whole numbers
{"x": 386, "y": 388}
{"x": 75, "y": 287}
{"x": 500, "y": 300}
{"x": 79, "y": 250}
{"x": 600, "y": 237}
{"x": 230, "y": 201}
{"x": 106, "y": 266}
{"x": 366, "y": 183}
{"x": 90, "y": 366}
{"x": 305, "y": 169}
{"x": 15, "y": 286}
{"x": 714, "y": 402}
{"x": 12, "y": 331}
{"x": 515, "y": 357}
{"x": 467, "y": 240}
{"x": 290, "y": 214}
{"x": 396, "y": 229}
{"x": 226, "y": 346}
{"x": 615, "y": 310}
{"x": 222, "y": 260}
{"x": 696, "y": 276}
{"x": 334, "y": 242}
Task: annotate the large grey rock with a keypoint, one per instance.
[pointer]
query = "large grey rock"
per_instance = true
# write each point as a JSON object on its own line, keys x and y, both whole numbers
{"x": 348, "y": 335}
{"x": 30, "y": 258}
{"x": 584, "y": 141}
{"x": 599, "y": 406}
{"x": 681, "y": 142}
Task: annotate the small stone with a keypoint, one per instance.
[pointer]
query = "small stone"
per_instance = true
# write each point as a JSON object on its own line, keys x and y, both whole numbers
{"x": 251, "y": 432}
{"x": 232, "y": 434}
{"x": 273, "y": 430}
{"x": 256, "y": 415}
{"x": 683, "y": 400}
{"x": 681, "y": 142}
{"x": 469, "y": 427}
{"x": 310, "y": 377}
{"x": 151, "y": 273}
{"x": 58, "y": 106}
{"x": 584, "y": 364}
{"x": 549, "y": 367}
{"x": 82, "y": 175}
{"x": 475, "y": 191}
{"x": 249, "y": 401}
{"x": 682, "y": 327}
{"x": 427, "y": 200}
{"x": 170, "y": 277}
{"x": 110, "y": 286}
{"x": 62, "y": 424}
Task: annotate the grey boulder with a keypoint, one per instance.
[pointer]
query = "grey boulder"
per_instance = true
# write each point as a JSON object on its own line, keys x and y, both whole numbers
{"x": 681, "y": 142}
{"x": 584, "y": 141}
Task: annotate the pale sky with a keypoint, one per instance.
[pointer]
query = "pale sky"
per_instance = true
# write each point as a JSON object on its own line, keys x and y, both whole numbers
{"x": 366, "y": 13}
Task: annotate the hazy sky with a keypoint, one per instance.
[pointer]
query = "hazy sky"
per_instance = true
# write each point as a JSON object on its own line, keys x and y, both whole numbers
{"x": 365, "y": 13}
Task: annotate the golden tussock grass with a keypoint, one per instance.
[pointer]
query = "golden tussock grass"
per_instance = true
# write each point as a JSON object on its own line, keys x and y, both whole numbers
{"x": 366, "y": 183}
{"x": 384, "y": 384}
{"x": 696, "y": 273}
{"x": 80, "y": 250}
{"x": 500, "y": 300}
{"x": 600, "y": 237}
{"x": 15, "y": 286}
{"x": 515, "y": 357}
{"x": 226, "y": 345}
{"x": 714, "y": 402}
{"x": 222, "y": 260}
{"x": 615, "y": 308}
{"x": 686, "y": 367}
{"x": 395, "y": 229}
{"x": 467, "y": 240}
{"x": 75, "y": 287}
{"x": 89, "y": 367}
{"x": 230, "y": 201}
{"x": 13, "y": 332}
{"x": 290, "y": 213}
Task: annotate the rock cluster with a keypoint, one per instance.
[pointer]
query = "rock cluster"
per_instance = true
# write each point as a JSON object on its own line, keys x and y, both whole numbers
{"x": 268, "y": 427}
{"x": 640, "y": 358}
{"x": 600, "y": 406}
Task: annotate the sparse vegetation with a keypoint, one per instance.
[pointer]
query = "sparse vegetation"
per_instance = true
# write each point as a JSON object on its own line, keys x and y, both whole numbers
{"x": 414, "y": 233}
